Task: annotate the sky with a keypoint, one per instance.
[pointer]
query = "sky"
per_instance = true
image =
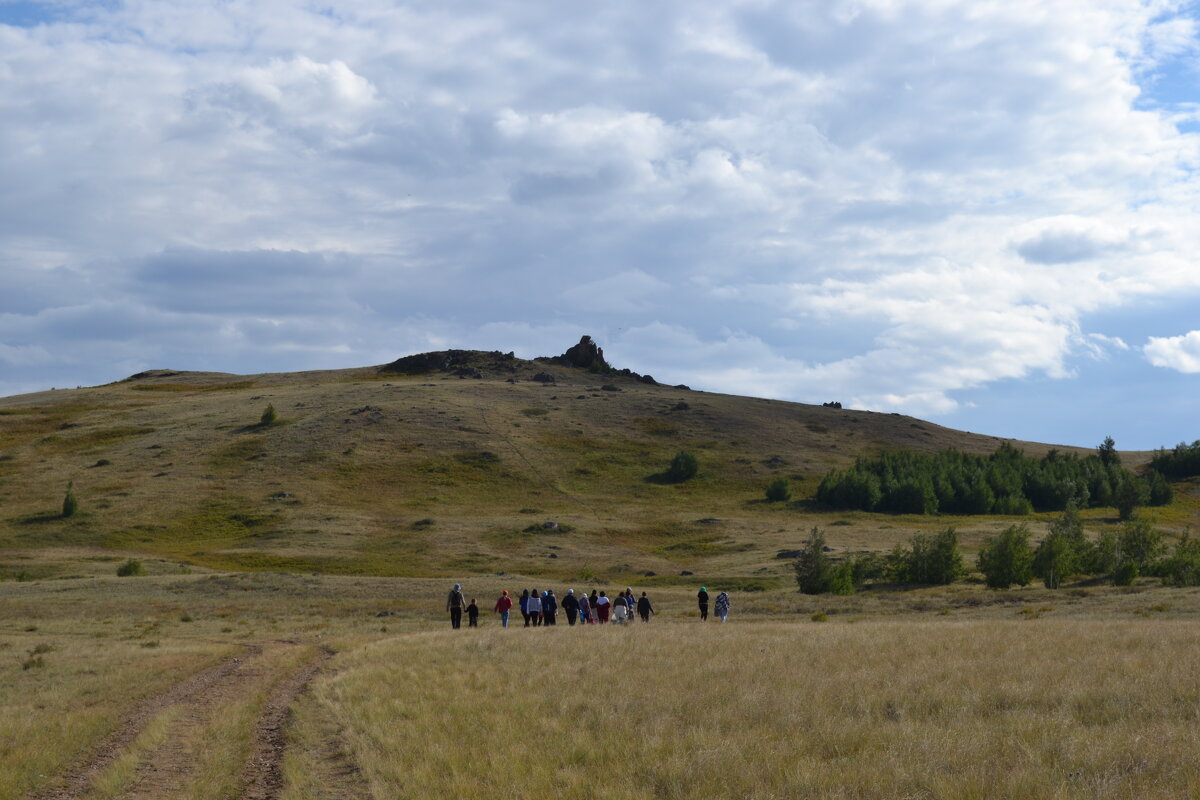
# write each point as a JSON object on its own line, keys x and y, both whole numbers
{"x": 979, "y": 213}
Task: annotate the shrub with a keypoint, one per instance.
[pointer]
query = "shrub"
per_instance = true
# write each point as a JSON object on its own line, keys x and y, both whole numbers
{"x": 1140, "y": 543}
{"x": 1125, "y": 574}
{"x": 1130, "y": 493}
{"x": 841, "y": 578}
{"x": 269, "y": 416}
{"x": 929, "y": 559}
{"x": 131, "y": 568}
{"x": 779, "y": 491}
{"x": 1183, "y": 567}
{"x": 1006, "y": 559}
{"x": 70, "y": 505}
{"x": 684, "y": 466}
{"x": 1064, "y": 551}
{"x": 813, "y": 567}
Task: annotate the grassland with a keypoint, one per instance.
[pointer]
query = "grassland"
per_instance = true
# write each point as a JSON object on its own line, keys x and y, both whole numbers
{"x": 339, "y": 529}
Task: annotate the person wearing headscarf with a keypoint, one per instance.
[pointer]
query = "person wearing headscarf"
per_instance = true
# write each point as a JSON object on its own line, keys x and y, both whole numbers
{"x": 535, "y": 608}
{"x": 503, "y": 606}
{"x": 603, "y": 608}
{"x": 455, "y": 605}
{"x": 702, "y": 598}
{"x": 722, "y": 606}
{"x": 549, "y": 607}
{"x": 570, "y": 604}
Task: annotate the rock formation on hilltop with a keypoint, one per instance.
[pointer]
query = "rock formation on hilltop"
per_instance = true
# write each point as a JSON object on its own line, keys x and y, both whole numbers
{"x": 586, "y": 354}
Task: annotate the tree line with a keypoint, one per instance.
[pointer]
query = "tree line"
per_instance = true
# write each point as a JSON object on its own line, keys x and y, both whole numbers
{"x": 1008, "y": 558}
{"x": 1006, "y": 482}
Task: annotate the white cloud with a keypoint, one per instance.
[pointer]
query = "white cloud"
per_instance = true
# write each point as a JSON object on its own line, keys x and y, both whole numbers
{"x": 1181, "y": 353}
{"x": 883, "y": 202}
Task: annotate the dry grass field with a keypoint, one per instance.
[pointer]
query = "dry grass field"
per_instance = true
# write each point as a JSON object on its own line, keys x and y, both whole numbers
{"x": 287, "y": 638}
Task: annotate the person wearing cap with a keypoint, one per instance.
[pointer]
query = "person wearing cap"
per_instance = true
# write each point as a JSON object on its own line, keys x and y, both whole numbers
{"x": 455, "y": 604}
{"x": 570, "y": 604}
{"x": 503, "y": 606}
{"x": 702, "y": 598}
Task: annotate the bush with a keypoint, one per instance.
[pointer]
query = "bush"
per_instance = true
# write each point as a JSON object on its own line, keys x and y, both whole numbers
{"x": 1006, "y": 559}
{"x": 814, "y": 570}
{"x": 1182, "y": 568}
{"x": 1140, "y": 543}
{"x": 929, "y": 559}
{"x": 779, "y": 491}
{"x": 131, "y": 568}
{"x": 70, "y": 505}
{"x": 1125, "y": 574}
{"x": 841, "y": 578}
{"x": 1063, "y": 552}
{"x": 269, "y": 416}
{"x": 684, "y": 466}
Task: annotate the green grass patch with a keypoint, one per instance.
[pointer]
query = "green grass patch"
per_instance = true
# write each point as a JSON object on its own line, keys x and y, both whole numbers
{"x": 191, "y": 387}
{"x": 235, "y": 455}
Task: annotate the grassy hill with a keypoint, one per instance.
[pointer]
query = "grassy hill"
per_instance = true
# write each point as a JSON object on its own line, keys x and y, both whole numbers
{"x": 469, "y": 466}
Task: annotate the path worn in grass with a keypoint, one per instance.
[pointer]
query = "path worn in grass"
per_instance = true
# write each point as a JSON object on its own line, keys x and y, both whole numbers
{"x": 195, "y": 704}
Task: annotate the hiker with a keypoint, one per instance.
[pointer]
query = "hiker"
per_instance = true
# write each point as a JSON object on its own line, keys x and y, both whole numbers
{"x": 594, "y": 606}
{"x": 473, "y": 615}
{"x": 535, "y": 608}
{"x": 722, "y": 607}
{"x": 454, "y": 604}
{"x": 603, "y": 608}
{"x": 702, "y": 597}
{"x": 549, "y": 607}
{"x": 585, "y": 610}
{"x": 630, "y": 602}
{"x": 503, "y": 606}
{"x": 644, "y": 608}
{"x": 570, "y": 604}
{"x": 620, "y": 610}
{"x": 525, "y": 606}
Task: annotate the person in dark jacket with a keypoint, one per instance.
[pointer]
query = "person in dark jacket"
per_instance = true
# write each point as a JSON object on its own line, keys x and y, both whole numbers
{"x": 549, "y": 607}
{"x": 570, "y": 604}
{"x": 524, "y": 600}
{"x": 473, "y": 614}
{"x": 702, "y": 597}
{"x": 644, "y": 608}
{"x": 455, "y": 604}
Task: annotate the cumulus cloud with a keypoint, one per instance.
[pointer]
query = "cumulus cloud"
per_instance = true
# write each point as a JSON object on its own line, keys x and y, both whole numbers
{"x": 890, "y": 202}
{"x": 1180, "y": 353}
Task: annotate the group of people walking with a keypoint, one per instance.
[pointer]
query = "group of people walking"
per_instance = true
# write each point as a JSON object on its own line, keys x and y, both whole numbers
{"x": 540, "y": 609}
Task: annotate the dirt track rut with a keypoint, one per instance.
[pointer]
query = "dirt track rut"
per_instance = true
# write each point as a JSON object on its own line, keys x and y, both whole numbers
{"x": 195, "y": 704}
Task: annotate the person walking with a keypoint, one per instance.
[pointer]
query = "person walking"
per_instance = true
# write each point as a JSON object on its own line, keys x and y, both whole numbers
{"x": 595, "y": 606}
{"x": 525, "y": 606}
{"x": 702, "y": 598}
{"x": 644, "y": 608}
{"x": 570, "y": 604}
{"x": 620, "y": 610}
{"x": 722, "y": 606}
{"x": 503, "y": 606}
{"x": 630, "y": 602}
{"x": 535, "y": 608}
{"x": 473, "y": 614}
{"x": 455, "y": 604}
{"x": 585, "y": 610}
{"x": 603, "y": 608}
{"x": 549, "y": 607}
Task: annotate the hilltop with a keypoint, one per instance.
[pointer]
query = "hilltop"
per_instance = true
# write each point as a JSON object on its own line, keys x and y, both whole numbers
{"x": 438, "y": 464}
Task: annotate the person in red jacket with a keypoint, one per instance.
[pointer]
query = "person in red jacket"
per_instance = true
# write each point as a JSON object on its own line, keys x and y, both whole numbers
{"x": 503, "y": 606}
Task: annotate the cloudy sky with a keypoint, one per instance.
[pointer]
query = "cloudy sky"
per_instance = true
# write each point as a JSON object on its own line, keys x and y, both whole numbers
{"x": 983, "y": 213}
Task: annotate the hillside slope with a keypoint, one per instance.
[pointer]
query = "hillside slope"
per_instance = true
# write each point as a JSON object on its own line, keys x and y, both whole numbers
{"x": 470, "y": 466}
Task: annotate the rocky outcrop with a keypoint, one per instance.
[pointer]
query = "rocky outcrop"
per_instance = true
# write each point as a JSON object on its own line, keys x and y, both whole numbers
{"x": 586, "y": 354}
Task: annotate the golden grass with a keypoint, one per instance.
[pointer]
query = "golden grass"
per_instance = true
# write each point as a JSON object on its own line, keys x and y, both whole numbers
{"x": 56, "y": 708}
{"x": 871, "y": 710}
